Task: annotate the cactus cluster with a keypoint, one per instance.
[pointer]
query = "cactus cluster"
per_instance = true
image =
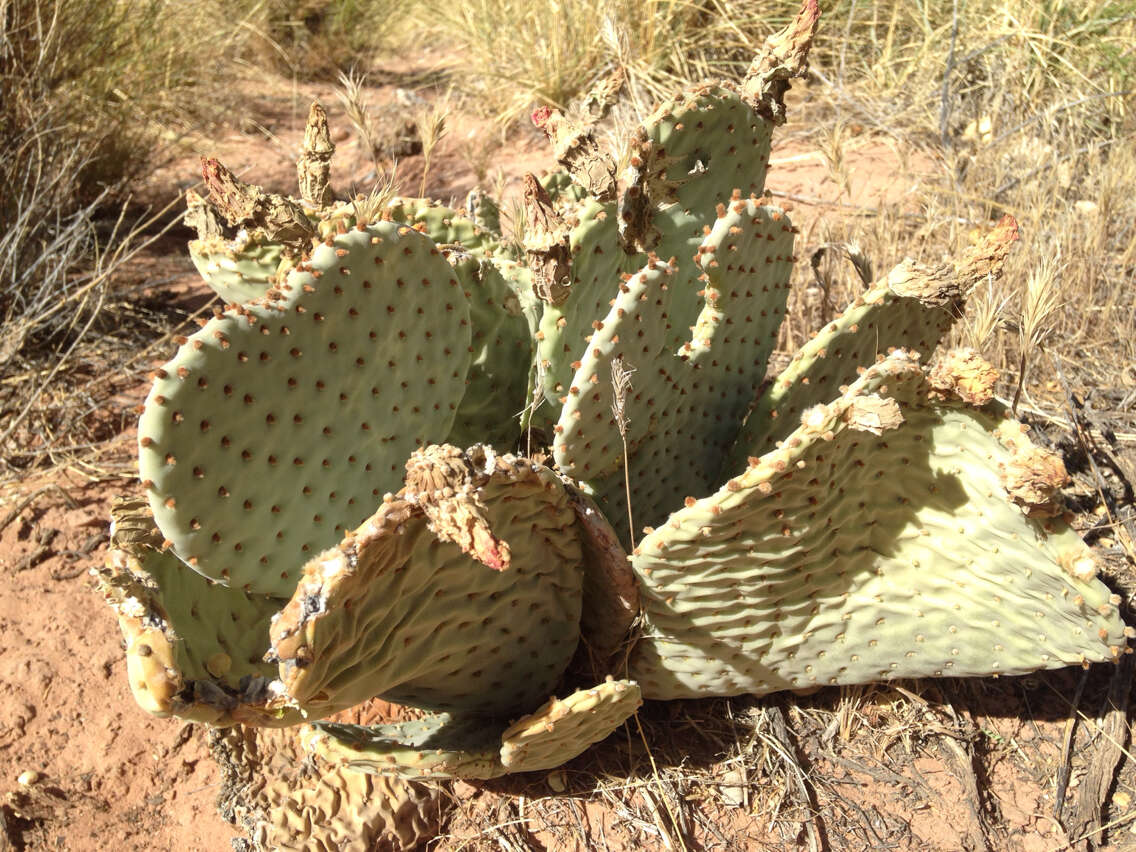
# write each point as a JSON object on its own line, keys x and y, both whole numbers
{"x": 336, "y": 508}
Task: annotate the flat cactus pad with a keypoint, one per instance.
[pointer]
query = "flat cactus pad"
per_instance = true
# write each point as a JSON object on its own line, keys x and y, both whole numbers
{"x": 279, "y": 424}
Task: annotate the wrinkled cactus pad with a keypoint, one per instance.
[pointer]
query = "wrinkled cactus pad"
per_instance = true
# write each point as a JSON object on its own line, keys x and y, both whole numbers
{"x": 284, "y": 801}
{"x": 880, "y": 540}
{"x": 461, "y": 593}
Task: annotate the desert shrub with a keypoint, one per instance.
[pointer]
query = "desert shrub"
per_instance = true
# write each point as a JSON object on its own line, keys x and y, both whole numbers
{"x": 319, "y": 39}
{"x": 88, "y": 92}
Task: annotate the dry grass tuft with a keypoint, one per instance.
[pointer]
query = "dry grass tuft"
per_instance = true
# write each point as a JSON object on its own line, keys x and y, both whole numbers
{"x": 88, "y": 91}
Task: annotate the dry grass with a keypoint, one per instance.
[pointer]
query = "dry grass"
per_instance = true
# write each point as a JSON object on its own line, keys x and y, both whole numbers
{"x": 88, "y": 92}
{"x": 315, "y": 39}
{"x": 1025, "y": 108}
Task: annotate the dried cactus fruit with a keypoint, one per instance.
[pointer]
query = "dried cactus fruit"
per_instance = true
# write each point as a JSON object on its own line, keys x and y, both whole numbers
{"x": 313, "y": 169}
{"x": 575, "y": 147}
{"x": 277, "y": 425}
{"x": 194, "y": 648}
{"x": 819, "y": 564}
{"x": 398, "y": 610}
{"x": 284, "y": 801}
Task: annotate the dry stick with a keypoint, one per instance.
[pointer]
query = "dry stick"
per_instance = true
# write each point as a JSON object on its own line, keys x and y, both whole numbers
{"x": 27, "y": 501}
{"x": 1066, "y": 768}
{"x": 1086, "y": 818}
{"x": 1087, "y": 446}
{"x": 620, "y": 385}
{"x": 662, "y": 793}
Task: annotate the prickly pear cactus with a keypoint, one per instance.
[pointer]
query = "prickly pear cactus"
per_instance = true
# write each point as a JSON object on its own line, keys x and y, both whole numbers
{"x": 314, "y": 537}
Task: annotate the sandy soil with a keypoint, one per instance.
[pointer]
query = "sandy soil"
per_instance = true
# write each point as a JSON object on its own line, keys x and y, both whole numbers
{"x": 83, "y": 768}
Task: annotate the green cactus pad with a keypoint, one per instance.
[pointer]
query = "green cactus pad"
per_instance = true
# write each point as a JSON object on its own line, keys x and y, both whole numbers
{"x": 445, "y": 225}
{"x": 239, "y": 270}
{"x": 278, "y": 425}
{"x": 562, "y": 189}
{"x": 880, "y": 541}
{"x": 462, "y": 593}
{"x": 912, "y": 308}
{"x": 484, "y": 212}
{"x": 687, "y": 400}
{"x": 437, "y": 746}
{"x": 498, "y": 380}
{"x": 564, "y": 728}
{"x": 194, "y": 648}
{"x": 597, "y": 262}
{"x": 284, "y": 801}
{"x": 692, "y": 152}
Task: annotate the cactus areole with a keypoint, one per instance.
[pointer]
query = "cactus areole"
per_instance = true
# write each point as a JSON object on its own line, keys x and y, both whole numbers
{"x": 337, "y": 505}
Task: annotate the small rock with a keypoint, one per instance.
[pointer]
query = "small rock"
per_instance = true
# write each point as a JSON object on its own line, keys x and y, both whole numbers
{"x": 28, "y": 777}
{"x": 557, "y": 782}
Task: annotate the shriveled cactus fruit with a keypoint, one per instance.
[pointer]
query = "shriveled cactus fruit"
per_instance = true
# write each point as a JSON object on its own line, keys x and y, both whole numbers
{"x": 277, "y": 425}
{"x": 194, "y": 648}
{"x": 445, "y": 746}
{"x": 880, "y": 541}
{"x": 912, "y": 308}
{"x": 686, "y": 401}
{"x": 284, "y": 801}
{"x": 461, "y": 593}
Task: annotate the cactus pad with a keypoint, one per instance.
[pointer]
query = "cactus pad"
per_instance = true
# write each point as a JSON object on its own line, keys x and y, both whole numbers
{"x": 912, "y": 308}
{"x": 564, "y": 728}
{"x": 445, "y": 746}
{"x": 194, "y": 648}
{"x": 461, "y": 593}
{"x": 691, "y": 389}
{"x": 502, "y": 350}
{"x": 879, "y": 541}
{"x": 437, "y": 746}
{"x": 276, "y": 426}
